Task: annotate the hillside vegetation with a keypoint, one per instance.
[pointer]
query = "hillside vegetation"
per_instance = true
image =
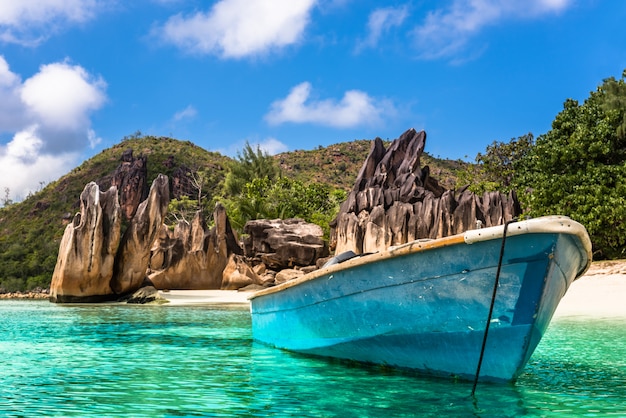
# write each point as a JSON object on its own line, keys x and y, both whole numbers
{"x": 31, "y": 230}
{"x": 577, "y": 169}
{"x": 338, "y": 164}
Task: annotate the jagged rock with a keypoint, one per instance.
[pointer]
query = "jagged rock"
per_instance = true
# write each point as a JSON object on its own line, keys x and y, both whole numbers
{"x": 284, "y": 243}
{"x": 131, "y": 180}
{"x": 237, "y": 274}
{"x": 133, "y": 256}
{"x": 193, "y": 257}
{"x": 395, "y": 201}
{"x": 87, "y": 251}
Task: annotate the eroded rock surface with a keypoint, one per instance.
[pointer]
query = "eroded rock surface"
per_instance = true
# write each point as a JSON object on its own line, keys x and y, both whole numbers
{"x": 238, "y": 274}
{"x": 395, "y": 201}
{"x": 193, "y": 256}
{"x": 133, "y": 255}
{"x": 87, "y": 251}
{"x": 131, "y": 180}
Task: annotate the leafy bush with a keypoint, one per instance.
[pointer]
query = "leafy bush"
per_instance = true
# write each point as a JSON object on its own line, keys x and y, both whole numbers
{"x": 578, "y": 168}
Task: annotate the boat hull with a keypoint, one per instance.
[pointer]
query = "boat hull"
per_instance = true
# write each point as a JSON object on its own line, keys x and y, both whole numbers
{"x": 427, "y": 309}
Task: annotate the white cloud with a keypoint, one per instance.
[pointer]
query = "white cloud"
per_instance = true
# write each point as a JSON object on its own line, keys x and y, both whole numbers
{"x": 189, "y": 112}
{"x": 272, "y": 146}
{"x": 23, "y": 166}
{"x": 381, "y": 21}
{"x": 445, "y": 32}
{"x": 49, "y": 127}
{"x": 46, "y": 95}
{"x": 239, "y": 28}
{"x": 29, "y": 22}
{"x": 355, "y": 108}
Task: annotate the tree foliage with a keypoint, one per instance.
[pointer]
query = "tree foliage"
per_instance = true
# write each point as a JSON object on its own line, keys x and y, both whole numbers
{"x": 250, "y": 164}
{"x": 255, "y": 189}
{"x": 578, "y": 168}
{"x": 495, "y": 169}
{"x": 284, "y": 198}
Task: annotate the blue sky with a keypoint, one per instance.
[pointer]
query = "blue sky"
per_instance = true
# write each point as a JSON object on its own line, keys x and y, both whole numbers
{"x": 76, "y": 76}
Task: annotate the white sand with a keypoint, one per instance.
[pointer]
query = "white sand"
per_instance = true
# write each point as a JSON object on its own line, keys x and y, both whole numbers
{"x": 597, "y": 295}
{"x": 206, "y": 297}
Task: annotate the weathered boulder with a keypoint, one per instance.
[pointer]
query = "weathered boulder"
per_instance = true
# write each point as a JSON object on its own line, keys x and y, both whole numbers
{"x": 192, "y": 256}
{"x": 395, "y": 201}
{"x": 238, "y": 274}
{"x": 131, "y": 180}
{"x": 145, "y": 295}
{"x": 282, "y": 243}
{"x": 87, "y": 251}
{"x": 286, "y": 275}
{"x": 133, "y": 256}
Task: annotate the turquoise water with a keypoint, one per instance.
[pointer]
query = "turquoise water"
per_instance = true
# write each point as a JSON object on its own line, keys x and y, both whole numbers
{"x": 116, "y": 360}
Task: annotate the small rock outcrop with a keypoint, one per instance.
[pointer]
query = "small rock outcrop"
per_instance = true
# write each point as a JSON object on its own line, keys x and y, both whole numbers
{"x": 284, "y": 243}
{"x": 395, "y": 201}
{"x": 87, "y": 251}
{"x": 133, "y": 257}
{"x": 238, "y": 274}
{"x": 146, "y": 294}
{"x": 192, "y": 256}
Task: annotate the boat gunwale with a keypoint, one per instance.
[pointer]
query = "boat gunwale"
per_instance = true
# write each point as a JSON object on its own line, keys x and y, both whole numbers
{"x": 547, "y": 224}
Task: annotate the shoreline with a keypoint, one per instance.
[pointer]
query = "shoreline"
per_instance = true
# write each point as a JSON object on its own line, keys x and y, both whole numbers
{"x": 205, "y": 297}
{"x": 600, "y": 293}
{"x": 596, "y": 295}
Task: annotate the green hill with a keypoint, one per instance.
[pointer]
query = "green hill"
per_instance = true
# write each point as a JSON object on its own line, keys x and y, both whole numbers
{"x": 30, "y": 231}
{"x": 339, "y": 164}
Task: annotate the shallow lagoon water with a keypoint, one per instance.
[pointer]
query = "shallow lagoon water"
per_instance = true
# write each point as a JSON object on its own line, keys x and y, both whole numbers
{"x": 119, "y": 360}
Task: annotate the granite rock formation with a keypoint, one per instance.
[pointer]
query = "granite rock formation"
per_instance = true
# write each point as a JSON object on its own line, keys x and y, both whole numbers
{"x": 131, "y": 180}
{"x": 192, "y": 256}
{"x": 133, "y": 257}
{"x": 284, "y": 243}
{"x": 87, "y": 251}
{"x": 395, "y": 201}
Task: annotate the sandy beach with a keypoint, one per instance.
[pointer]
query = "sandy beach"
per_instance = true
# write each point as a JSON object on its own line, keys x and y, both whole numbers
{"x": 206, "y": 297}
{"x": 600, "y": 293}
{"x": 598, "y": 296}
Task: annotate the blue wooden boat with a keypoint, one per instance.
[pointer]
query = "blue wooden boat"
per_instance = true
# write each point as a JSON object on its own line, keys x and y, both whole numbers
{"x": 433, "y": 306}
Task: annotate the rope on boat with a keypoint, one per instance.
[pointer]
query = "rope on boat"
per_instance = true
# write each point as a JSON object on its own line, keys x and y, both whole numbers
{"x": 493, "y": 301}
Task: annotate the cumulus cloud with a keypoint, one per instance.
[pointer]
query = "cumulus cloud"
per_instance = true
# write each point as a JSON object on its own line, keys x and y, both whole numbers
{"x": 355, "y": 108}
{"x": 48, "y": 121}
{"x": 381, "y": 21}
{"x": 61, "y": 96}
{"x": 29, "y": 22}
{"x": 239, "y": 28}
{"x": 445, "y": 32}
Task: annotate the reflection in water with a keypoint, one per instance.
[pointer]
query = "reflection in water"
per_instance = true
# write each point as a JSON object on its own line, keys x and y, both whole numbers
{"x": 172, "y": 361}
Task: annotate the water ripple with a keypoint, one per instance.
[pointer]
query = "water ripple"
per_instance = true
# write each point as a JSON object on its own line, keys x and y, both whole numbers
{"x": 111, "y": 360}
